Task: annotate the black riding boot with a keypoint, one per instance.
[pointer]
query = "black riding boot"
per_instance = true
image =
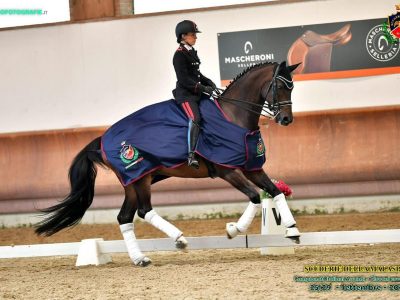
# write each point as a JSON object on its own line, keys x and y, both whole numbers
{"x": 194, "y": 135}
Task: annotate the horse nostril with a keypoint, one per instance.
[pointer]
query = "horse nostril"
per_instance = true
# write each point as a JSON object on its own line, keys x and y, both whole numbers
{"x": 284, "y": 120}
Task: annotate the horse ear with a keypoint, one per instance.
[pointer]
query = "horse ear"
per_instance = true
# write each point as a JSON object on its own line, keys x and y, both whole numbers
{"x": 293, "y": 67}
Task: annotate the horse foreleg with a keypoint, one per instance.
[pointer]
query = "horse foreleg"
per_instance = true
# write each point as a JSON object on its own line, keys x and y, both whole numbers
{"x": 261, "y": 179}
{"x": 126, "y": 225}
{"x": 146, "y": 212}
{"x": 239, "y": 181}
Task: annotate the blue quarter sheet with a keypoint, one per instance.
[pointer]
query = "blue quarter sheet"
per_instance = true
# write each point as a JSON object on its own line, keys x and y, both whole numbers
{"x": 156, "y": 136}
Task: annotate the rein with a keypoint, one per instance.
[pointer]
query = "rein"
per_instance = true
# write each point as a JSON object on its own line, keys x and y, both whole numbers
{"x": 271, "y": 110}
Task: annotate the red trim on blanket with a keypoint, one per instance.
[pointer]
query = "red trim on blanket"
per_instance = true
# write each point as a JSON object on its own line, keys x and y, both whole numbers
{"x": 229, "y": 166}
{"x": 245, "y": 142}
{"x": 220, "y": 108}
{"x": 103, "y": 154}
{"x": 152, "y": 170}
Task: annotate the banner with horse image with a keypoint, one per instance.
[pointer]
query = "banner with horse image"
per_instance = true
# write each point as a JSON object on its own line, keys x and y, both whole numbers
{"x": 334, "y": 50}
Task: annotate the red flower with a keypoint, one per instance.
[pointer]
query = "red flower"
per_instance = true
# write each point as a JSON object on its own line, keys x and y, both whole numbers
{"x": 283, "y": 187}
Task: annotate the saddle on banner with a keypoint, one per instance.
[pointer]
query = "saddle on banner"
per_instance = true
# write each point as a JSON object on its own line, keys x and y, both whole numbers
{"x": 315, "y": 50}
{"x": 156, "y": 136}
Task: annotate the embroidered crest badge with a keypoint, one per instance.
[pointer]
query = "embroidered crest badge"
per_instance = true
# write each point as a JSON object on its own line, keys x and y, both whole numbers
{"x": 260, "y": 147}
{"x": 129, "y": 154}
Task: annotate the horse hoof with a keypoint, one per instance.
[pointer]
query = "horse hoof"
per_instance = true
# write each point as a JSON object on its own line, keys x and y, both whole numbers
{"x": 295, "y": 239}
{"x": 231, "y": 230}
{"x": 144, "y": 262}
{"x": 181, "y": 243}
{"x": 292, "y": 232}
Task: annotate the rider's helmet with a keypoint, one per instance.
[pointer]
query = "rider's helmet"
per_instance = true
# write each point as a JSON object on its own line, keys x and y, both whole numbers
{"x": 183, "y": 27}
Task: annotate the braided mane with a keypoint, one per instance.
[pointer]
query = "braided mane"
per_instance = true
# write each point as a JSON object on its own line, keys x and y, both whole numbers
{"x": 244, "y": 72}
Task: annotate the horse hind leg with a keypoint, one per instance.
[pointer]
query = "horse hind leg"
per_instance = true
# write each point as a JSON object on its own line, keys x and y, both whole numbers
{"x": 125, "y": 220}
{"x": 146, "y": 212}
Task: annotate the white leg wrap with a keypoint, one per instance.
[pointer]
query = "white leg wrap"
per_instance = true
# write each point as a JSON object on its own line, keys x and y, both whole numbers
{"x": 247, "y": 217}
{"x": 154, "y": 219}
{"x": 284, "y": 211}
{"x": 131, "y": 243}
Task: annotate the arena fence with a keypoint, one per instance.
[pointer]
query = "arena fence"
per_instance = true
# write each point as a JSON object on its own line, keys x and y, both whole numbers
{"x": 209, "y": 242}
{"x": 271, "y": 241}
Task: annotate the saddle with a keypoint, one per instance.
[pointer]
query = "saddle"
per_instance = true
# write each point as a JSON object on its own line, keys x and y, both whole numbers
{"x": 314, "y": 50}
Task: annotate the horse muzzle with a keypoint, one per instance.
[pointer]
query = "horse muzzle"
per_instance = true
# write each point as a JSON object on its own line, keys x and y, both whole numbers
{"x": 284, "y": 120}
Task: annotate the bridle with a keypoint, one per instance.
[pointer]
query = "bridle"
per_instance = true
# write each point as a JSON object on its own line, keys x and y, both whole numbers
{"x": 272, "y": 110}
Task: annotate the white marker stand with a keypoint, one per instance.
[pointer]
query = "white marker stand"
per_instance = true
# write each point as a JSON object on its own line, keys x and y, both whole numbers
{"x": 89, "y": 254}
{"x": 271, "y": 224}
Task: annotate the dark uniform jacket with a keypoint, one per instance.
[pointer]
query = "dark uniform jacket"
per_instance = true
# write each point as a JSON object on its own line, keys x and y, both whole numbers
{"x": 189, "y": 79}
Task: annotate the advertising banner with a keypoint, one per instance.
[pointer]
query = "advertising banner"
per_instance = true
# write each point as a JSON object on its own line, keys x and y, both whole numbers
{"x": 334, "y": 50}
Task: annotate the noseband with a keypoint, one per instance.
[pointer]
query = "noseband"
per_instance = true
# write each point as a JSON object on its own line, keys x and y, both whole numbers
{"x": 272, "y": 110}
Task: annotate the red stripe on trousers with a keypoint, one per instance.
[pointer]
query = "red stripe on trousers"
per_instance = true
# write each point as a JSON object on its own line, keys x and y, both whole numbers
{"x": 184, "y": 108}
{"x": 189, "y": 111}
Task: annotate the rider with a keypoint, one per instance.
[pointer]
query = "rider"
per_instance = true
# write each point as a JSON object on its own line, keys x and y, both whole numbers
{"x": 190, "y": 82}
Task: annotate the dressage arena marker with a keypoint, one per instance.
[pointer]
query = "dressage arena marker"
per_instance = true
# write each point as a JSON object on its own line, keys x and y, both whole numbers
{"x": 89, "y": 254}
{"x": 271, "y": 224}
{"x": 203, "y": 243}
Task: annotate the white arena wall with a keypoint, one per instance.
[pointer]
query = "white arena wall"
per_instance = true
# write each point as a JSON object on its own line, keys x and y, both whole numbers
{"x": 94, "y": 73}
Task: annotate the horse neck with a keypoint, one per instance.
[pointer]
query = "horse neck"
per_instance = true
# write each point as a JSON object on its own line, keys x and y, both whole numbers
{"x": 246, "y": 88}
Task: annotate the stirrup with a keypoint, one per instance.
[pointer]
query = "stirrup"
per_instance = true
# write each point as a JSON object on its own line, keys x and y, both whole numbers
{"x": 192, "y": 161}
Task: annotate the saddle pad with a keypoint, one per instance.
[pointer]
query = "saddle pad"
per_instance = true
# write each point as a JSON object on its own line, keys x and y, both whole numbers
{"x": 156, "y": 136}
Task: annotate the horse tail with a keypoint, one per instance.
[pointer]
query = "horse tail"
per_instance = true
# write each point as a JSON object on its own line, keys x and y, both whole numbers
{"x": 82, "y": 176}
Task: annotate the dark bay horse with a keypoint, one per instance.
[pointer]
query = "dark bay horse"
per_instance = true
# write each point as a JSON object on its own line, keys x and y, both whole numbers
{"x": 261, "y": 88}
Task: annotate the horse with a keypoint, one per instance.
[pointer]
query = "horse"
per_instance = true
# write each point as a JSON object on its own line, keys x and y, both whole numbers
{"x": 261, "y": 88}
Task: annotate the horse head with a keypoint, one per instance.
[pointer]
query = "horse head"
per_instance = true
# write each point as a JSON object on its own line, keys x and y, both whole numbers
{"x": 263, "y": 88}
{"x": 276, "y": 94}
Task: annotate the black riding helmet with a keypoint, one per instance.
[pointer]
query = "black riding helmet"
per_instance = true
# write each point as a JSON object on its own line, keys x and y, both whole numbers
{"x": 184, "y": 27}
